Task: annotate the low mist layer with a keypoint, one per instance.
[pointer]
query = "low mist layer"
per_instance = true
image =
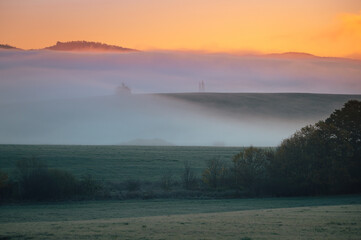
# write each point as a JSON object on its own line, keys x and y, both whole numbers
{"x": 128, "y": 119}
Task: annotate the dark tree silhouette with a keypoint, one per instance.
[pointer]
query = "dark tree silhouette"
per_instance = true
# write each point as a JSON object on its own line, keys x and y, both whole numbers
{"x": 321, "y": 158}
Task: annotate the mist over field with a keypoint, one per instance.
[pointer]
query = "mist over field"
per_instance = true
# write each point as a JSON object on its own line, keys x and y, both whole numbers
{"x": 119, "y": 119}
{"x": 69, "y": 98}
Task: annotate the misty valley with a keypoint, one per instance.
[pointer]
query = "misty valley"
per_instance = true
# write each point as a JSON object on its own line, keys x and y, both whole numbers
{"x": 176, "y": 145}
{"x": 180, "y": 120}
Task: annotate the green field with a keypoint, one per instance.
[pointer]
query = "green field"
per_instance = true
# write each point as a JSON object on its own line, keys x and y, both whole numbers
{"x": 332, "y": 217}
{"x": 269, "y": 218}
{"x": 116, "y": 163}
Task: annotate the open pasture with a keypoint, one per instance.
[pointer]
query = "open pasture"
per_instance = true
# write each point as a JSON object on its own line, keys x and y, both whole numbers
{"x": 269, "y": 218}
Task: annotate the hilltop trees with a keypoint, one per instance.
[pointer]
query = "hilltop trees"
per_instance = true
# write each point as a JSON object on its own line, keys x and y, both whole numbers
{"x": 88, "y": 46}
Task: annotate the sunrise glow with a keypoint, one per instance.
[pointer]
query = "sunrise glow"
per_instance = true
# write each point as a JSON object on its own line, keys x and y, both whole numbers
{"x": 321, "y": 27}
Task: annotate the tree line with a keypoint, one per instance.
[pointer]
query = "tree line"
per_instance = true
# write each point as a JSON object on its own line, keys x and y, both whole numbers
{"x": 324, "y": 158}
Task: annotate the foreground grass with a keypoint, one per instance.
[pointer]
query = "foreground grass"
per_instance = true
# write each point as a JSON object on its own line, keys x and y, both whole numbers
{"x": 269, "y": 218}
{"x": 323, "y": 222}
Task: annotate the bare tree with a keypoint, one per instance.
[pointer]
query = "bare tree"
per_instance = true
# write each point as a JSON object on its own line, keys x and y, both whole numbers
{"x": 188, "y": 178}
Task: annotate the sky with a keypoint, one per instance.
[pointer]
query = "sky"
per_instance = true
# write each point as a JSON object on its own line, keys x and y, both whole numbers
{"x": 320, "y": 27}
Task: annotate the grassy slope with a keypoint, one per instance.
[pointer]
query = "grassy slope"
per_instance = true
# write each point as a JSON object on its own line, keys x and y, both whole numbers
{"x": 283, "y": 218}
{"x": 115, "y": 163}
{"x": 290, "y": 106}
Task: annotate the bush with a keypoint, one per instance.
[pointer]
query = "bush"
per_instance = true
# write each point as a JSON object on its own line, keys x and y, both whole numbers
{"x": 216, "y": 175}
{"x": 49, "y": 184}
{"x": 3, "y": 179}
{"x": 38, "y": 182}
{"x": 189, "y": 179}
{"x": 132, "y": 185}
{"x": 89, "y": 186}
{"x": 3, "y": 185}
{"x": 250, "y": 169}
{"x": 166, "y": 181}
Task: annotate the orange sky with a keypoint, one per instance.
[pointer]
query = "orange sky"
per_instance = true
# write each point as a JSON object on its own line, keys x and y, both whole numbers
{"x": 321, "y": 27}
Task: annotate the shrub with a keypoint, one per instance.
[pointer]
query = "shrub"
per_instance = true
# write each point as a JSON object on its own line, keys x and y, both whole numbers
{"x": 166, "y": 181}
{"x": 49, "y": 184}
{"x": 132, "y": 185}
{"x": 216, "y": 174}
{"x": 4, "y": 184}
{"x": 189, "y": 179}
{"x": 3, "y": 179}
{"x": 37, "y": 182}
{"x": 250, "y": 169}
{"x": 89, "y": 186}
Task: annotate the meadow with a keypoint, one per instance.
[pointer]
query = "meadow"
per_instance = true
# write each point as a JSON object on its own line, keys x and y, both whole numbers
{"x": 116, "y": 163}
{"x": 334, "y": 217}
{"x": 318, "y": 217}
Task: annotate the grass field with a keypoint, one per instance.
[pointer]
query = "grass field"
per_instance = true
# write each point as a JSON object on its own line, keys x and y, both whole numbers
{"x": 116, "y": 163}
{"x": 331, "y": 217}
{"x": 269, "y": 218}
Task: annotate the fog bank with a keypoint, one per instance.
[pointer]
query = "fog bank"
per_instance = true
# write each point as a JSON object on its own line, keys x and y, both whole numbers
{"x": 69, "y": 98}
{"x": 42, "y": 75}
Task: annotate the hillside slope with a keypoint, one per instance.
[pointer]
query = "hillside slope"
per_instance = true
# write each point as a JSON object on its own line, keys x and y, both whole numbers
{"x": 287, "y": 106}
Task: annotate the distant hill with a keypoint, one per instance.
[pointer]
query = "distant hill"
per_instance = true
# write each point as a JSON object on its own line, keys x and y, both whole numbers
{"x": 87, "y": 47}
{"x": 308, "y": 56}
{"x": 148, "y": 142}
{"x": 8, "y": 47}
{"x": 294, "y": 55}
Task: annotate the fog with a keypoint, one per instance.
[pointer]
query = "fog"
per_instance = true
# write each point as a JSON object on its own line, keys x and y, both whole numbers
{"x": 69, "y": 98}
{"x": 37, "y": 75}
{"x": 119, "y": 119}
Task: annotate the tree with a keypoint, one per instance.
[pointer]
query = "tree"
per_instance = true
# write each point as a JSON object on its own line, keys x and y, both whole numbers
{"x": 348, "y": 120}
{"x": 189, "y": 179}
{"x": 37, "y": 182}
{"x": 166, "y": 180}
{"x": 3, "y": 179}
{"x": 250, "y": 169}
{"x": 89, "y": 186}
{"x": 322, "y": 158}
{"x": 216, "y": 173}
{"x": 29, "y": 166}
{"x": 6, "y": 187}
